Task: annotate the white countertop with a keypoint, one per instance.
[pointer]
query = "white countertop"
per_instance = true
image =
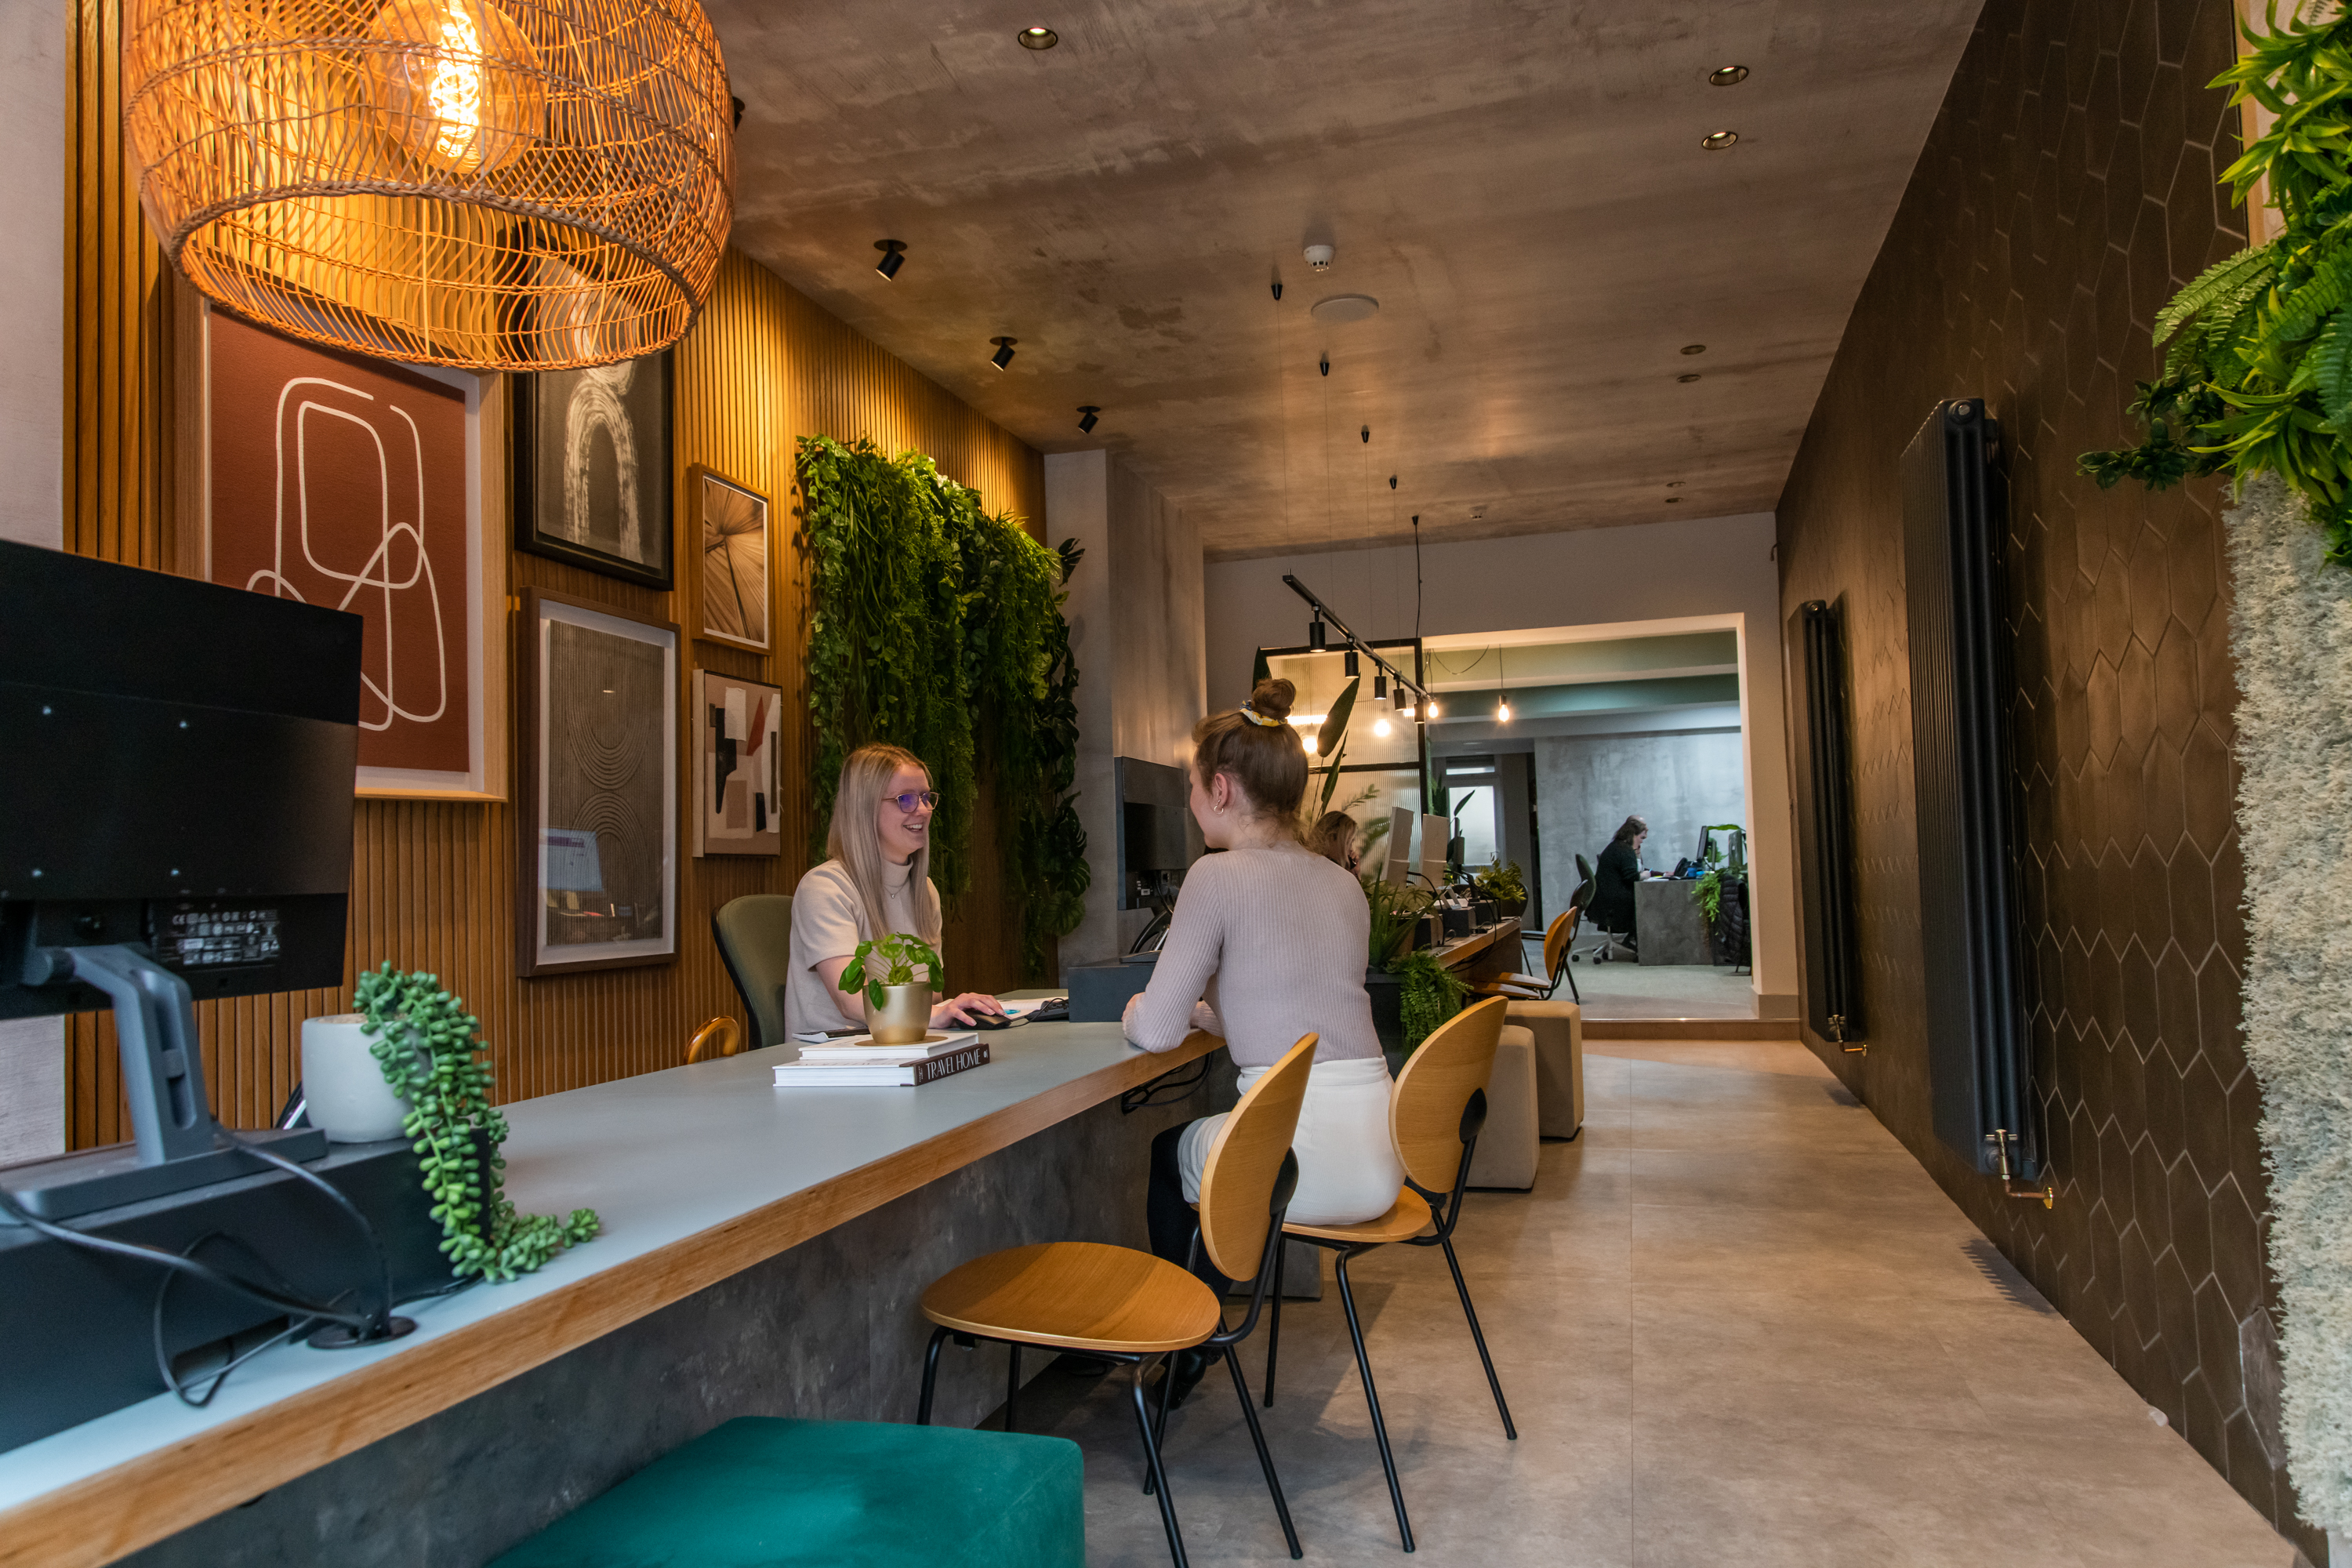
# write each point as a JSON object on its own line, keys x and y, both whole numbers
{"x": 696, "y": 1171}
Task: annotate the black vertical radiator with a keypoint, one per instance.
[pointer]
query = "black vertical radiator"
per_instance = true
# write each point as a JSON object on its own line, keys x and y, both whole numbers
{"x": 1825, "y": 826}
{"x": 1954, "y": 525}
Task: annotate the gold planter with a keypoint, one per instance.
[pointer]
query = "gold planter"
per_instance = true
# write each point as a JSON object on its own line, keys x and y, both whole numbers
{"x": 904, "y": 1017}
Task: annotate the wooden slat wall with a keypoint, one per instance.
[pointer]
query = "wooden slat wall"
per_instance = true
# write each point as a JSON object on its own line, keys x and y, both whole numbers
{"x": 432, "y": 882}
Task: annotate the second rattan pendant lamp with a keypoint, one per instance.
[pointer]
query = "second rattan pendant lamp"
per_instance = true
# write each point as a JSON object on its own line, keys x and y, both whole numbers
{"x": 528, "y": 184}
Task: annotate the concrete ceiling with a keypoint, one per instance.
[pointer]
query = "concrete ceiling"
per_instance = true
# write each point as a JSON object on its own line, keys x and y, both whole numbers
{"x": 1521, "y": 186}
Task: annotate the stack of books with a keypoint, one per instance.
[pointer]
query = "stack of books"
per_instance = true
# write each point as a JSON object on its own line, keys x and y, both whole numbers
{"x": 859, "y": 1063}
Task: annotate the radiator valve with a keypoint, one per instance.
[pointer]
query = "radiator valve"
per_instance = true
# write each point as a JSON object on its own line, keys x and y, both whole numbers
{"x": 2046, "y": 1194}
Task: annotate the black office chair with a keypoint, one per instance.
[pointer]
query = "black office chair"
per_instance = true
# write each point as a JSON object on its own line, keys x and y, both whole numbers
{"x": 755, "y": 940}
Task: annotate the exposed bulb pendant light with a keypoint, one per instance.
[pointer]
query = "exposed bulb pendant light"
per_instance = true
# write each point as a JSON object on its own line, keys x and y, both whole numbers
{"x": 1502, "y": 691}
{"x": 529, "y": 184}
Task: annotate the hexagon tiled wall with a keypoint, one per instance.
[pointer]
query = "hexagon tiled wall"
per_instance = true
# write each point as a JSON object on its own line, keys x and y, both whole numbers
{"x": 2066, "y": 190}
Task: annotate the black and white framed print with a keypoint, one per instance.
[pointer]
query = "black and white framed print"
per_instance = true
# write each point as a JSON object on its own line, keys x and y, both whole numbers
{"x": 591, "y": 455}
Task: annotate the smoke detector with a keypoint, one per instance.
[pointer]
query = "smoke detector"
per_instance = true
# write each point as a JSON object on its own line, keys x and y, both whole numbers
{"x": 1318, "y": 256}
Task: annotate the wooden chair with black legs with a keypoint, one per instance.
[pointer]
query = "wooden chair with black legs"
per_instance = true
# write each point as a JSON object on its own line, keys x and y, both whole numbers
{"x": 1131, "y": 1306}
{"x": 1558, "y": 937}
{"x": 1435, "y": 1111}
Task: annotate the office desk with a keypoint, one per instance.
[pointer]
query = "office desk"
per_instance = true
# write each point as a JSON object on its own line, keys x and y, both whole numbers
{"x": 697, "y": 1173}
{"x": 1667, "y": 920}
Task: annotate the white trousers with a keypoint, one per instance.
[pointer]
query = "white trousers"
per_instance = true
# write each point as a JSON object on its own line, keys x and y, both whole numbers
{"x": 1347, "y": 1166}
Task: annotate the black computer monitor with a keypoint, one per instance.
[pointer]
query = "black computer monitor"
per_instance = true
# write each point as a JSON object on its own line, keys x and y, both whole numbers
{"x": 175, "y": 824}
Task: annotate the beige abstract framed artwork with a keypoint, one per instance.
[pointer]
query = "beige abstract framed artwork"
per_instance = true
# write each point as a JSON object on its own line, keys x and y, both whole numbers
{"x": 359, "y": 484}
{"x": 736, "y": 729}
{"x": 730, "y": 571}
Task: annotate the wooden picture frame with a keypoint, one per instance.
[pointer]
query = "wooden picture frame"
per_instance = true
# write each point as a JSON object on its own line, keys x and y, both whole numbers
{"x": 249, "y": 403}
{"x": 591, "y": 467}
{"x": 596, "y": 883}
{"x": 735, "y": 729}
{"x": 733, "y": 603}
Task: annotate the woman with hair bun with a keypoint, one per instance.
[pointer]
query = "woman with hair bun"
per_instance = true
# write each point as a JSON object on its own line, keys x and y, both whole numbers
{"x": 1272, "y": 936}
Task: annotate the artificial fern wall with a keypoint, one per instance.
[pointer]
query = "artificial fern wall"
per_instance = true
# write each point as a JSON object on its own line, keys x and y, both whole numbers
{"x": 939, "y": 629}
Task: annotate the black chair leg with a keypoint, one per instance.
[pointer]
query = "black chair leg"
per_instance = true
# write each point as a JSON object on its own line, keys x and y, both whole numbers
{"x": 1273, "y": 1322}
{"x": 1012, "y": 1389}
{"x": 1372, "y": 1399}
{"x": 1462, "y": 1286}
{"x": 1265, "y": 1457}
{"x": 930, "y": 1377}
{"x": 1155, "y": 1479}
{"x": 1573, "y": 990}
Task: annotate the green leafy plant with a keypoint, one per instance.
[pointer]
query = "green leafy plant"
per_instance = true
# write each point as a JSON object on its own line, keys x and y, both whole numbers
{"x": 1709, "y": 894}
{"x": 430, "y": 1050}
{"x": 1429, "y": 993}
{"x": 1331, "y": 740}
{"x": 939, "y": 629}
{"x": 2258, "y": 374}
{"x": 1393, "y": 911}
{"x": 891, "y": 960}
{"x": 1503, "y": 884}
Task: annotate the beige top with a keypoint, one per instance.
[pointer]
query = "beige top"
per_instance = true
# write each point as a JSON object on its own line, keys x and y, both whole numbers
{"x": 829, "y": 921}
{"x": 1275, "y": 939}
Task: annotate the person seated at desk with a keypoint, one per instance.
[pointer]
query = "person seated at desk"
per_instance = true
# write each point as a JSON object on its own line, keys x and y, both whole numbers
{"x": 1612, "y": 882}
{"x": 877, "y": 880}
{"x": 1333, "y": 836}
{"x": 1274, "y": 935}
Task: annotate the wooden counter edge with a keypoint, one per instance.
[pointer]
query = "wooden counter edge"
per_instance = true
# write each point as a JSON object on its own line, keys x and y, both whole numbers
{"x": 109, "y": 1515}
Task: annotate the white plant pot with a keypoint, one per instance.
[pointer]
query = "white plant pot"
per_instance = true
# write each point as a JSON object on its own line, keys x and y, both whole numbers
{"x": 349, "y": 1101}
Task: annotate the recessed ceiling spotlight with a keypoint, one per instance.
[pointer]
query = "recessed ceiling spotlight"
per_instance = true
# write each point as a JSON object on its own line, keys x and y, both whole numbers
{"x": 1042, "y": 37}
{"x": 1694, "y": 348}
{"x": 1727, "y": 75}
{"x": 1003, "y": 354}
{"x": 1687, "y": 376}
{"x": 1674, "y": 500}
{"x": 1674, "y": 484}
{"x": 1340, "y": 309}
{"x": 894, "y": 257}
{"x": 1089, "y": 412}
{"x": 1717, "y": 141}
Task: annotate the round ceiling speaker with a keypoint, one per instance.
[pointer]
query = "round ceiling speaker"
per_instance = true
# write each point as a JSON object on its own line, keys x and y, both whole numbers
{"x": 1341, "y": 308}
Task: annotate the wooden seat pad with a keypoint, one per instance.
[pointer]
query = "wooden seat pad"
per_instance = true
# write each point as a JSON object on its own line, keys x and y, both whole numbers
{"x": 1409, "y": 1218}
{"x": 1078, "y": 1295}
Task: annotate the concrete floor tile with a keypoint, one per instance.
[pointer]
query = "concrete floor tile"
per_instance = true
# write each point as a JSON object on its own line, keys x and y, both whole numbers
{"x": 1737, "y": 1324}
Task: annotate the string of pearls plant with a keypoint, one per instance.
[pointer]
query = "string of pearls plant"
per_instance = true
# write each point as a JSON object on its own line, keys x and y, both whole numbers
{"x": 430, "y": 1050}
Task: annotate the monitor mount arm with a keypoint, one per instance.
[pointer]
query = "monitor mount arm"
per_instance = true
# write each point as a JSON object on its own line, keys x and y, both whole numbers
{"x": 155, "y": 1025}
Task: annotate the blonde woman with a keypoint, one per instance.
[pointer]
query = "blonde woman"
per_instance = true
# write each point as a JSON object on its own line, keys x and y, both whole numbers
{"x": 877, "y": 881}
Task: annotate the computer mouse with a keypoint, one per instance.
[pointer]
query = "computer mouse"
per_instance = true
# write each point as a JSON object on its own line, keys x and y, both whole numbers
{"x": 990, "y": 1021}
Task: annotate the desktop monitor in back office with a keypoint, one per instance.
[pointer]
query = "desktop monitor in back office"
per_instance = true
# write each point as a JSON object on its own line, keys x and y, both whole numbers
{"x": 1158, "y": 838}
{"x": 175, "y": 826}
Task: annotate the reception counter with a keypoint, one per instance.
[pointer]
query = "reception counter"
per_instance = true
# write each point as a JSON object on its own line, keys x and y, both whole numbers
{"x": 701, "y": 1175}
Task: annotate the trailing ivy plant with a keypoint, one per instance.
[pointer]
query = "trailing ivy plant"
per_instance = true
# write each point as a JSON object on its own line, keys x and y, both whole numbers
{"x": 2258, "y": 374}
{"x": 939, "y": 628}
{"x": 1429, "y": 995}
{"x": 430, "y": 1050}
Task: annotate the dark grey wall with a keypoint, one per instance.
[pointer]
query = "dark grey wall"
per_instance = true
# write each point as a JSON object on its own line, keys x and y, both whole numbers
{"x": 829, "y": 1330}
{"x": 2067, "y": 192}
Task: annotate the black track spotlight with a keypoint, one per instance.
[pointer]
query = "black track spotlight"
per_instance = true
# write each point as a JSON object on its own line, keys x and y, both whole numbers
{"x": 1315, "y": 632}
{"x": 1326, "y": 365}
{"x": 1347, "y": 663}
{"x": 1003, "y": 354}
{"x": 1089, "y": 415}
{"x": 1368, "y": 435}
{"x": 1391, "y": 481}
{"x": 894, "y": 257}
{"x": 1380, "y": 687}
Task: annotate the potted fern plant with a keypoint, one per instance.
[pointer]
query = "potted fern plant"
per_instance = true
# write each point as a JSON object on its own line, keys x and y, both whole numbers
{"x": 897, "y": 1005}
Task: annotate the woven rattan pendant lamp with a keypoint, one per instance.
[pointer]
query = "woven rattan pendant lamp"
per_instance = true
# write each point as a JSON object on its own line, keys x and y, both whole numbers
{"x": 496, "y": 185}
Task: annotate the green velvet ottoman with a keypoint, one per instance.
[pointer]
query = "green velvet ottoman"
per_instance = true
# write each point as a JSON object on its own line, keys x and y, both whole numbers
{"x": 762, "y": 1489}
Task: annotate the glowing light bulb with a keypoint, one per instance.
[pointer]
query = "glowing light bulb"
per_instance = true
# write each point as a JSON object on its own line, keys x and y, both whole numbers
{"x": 1433, "y": 707}
{"x": 1310, "y": 745}
{"x": 456, "y": 82}
{"x": 1381, "y": 727}
{"x": 1503, "y": 712}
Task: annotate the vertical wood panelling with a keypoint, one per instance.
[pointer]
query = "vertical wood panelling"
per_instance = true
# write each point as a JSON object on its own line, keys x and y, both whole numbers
{"x": 432, "y": 882}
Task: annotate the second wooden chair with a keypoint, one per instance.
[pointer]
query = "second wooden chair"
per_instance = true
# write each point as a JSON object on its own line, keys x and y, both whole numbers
{"x": 1129, "y": 1306}
{"x": 1435, "y": 1112}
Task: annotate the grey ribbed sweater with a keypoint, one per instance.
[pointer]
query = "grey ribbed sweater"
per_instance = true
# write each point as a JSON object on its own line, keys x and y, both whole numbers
{"x": 1276, "y": 940}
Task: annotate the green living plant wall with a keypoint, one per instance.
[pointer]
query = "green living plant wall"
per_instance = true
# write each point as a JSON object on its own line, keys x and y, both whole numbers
{"x": 2258, "y": 374}
{"x": 939, "y": 629}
